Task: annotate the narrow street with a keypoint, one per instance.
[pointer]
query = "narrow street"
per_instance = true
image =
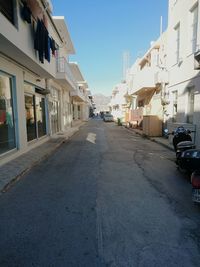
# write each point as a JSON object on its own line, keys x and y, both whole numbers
{"x": 107, "y": 197}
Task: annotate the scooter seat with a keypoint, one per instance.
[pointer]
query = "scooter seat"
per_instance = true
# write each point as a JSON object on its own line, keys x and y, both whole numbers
{"x": 185, "y": 145}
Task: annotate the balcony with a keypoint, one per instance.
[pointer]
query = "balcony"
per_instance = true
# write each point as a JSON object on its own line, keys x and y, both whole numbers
{"x": 78, "y": 95}
{"x": 144, "y": 79}
{"x": 64, "y": 74}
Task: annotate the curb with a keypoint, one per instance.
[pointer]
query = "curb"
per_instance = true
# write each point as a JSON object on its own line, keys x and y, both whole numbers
{"x": 160, "y": 143}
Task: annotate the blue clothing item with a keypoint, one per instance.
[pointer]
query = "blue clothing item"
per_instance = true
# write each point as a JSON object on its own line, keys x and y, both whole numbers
{"x": 26, "y": 13}
{"x": 42, "y": 42}
{"x": 47, "y": 48}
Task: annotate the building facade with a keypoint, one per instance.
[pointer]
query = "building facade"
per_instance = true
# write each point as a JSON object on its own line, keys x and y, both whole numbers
{"x": 36, "y": 81}
{"x": 183, "y": 89}
{"x": 146, "y": 81}
{"x": 165, "y": 81}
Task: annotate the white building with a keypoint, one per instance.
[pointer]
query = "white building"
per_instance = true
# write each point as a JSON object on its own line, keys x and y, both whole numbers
{"x": 146, "y": 81}
{"x": 36, "y": 80}
{"x": 183, "y": 89}
{"x": 79, "y": 96}
{"x": 118, "y": 101}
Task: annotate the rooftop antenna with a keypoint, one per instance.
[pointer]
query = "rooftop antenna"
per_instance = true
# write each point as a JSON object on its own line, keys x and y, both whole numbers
{"x": 161, "y": 25}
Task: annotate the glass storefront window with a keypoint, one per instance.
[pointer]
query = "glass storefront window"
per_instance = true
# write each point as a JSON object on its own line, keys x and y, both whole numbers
{"x": 35, "y": 113}
{"x": 40, "y": 115}
{"x": 30, "y": 117}
{"x": 7, "y": 127}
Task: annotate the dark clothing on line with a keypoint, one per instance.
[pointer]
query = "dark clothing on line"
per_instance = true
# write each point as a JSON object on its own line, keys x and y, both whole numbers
{"x": 41, "y": 42}
{"x": 26, "y": 13}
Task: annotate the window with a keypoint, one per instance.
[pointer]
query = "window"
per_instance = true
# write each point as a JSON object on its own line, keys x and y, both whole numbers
{"x": 73, "y": 112}
{"x": 35, "y": 114}
{"x": 190, "y": 110}
{"x": 140, "y": 103}
{"x": 177, "y": 41}
{"x": 40, "y": 115}
{"x": 7, "y": 127}
{"x": 194, "y": 27}
{"x": 175, "y": 106}
{"x": 30, "y": 117}
{"x": 79, "y": 112}
{"x": 7, "y": 9}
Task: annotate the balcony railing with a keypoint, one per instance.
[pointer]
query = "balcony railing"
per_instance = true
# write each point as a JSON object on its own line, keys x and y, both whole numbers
{"x": 79, "y": 94}
{"x": 64, "y": 68}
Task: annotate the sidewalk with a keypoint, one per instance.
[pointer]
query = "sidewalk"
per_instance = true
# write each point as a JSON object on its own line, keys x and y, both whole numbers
{"x": 160, "y": 140}
{"x": 14, "y": 169}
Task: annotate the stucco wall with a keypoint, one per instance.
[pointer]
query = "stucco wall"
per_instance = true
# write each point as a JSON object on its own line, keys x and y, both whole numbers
{"x": 19, "y": 76}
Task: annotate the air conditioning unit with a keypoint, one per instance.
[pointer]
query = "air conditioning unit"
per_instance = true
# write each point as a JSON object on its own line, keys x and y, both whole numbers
{"x": 197, "y": 60}
{"x": 196, "y": 65}
{"x": 165, "y": 102}
{"x": 197, "y": 55}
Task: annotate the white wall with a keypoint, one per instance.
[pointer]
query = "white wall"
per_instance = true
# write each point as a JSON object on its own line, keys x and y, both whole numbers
{"x": 183, "y": 75}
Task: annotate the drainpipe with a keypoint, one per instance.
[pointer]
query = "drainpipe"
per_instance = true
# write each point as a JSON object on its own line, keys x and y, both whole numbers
{"x": 47, "y": 85}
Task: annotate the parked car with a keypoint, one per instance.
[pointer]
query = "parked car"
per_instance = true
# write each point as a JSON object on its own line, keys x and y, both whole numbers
{"x": 108, "y": 117}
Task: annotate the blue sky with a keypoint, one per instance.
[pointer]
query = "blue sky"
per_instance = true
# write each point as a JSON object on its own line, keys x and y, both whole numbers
{"x": 101, "y": 30}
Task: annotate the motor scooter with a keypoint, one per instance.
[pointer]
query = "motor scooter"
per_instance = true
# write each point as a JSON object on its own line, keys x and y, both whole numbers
{"x": 182, "y": 142}
{"x": 187, "y": 158}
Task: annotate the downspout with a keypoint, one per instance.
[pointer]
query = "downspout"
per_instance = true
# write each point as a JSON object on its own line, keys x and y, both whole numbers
{"x": 47, "y": 85}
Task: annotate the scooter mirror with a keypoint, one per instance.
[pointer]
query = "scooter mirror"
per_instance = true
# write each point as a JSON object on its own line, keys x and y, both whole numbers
{"x": 166, "y": 131}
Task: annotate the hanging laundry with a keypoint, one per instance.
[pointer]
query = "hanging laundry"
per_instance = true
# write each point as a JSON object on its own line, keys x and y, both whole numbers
{"x": 41, "y": 41}
{"x": 53, "y": 46}
{"x": 26, "y": 13}
{"x": 47, "y": 47}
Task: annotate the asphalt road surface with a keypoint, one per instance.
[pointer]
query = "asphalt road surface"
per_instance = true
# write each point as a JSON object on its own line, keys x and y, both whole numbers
{"x": 107, "y": 197}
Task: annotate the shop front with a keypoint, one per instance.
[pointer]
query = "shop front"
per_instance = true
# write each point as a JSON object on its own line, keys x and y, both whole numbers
{"x": 35, "y": 106}
{"x": 7, "y": 113}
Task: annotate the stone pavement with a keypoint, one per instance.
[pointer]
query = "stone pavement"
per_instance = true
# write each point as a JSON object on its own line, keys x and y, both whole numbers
{"x": 14, "y": 169}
